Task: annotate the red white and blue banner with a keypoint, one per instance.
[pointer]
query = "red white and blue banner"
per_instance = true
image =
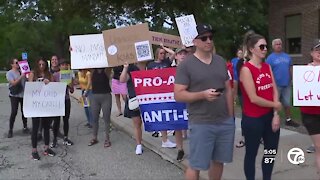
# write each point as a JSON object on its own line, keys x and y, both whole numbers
{"x": 159, "y": 110}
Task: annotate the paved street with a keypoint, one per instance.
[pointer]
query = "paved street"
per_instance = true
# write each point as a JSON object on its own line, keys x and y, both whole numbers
{"x": 79, "y": 161}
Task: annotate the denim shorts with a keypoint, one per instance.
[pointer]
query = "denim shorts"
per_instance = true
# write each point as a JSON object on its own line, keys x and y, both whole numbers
{"x": 285, "y": 95}
{"x": 211, "y": 142}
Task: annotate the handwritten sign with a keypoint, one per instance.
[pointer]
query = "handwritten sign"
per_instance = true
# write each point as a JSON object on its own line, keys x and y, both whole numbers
{"x": 88, "y": 51}
{"x": 187, "y": 29}
{"x": 24, "y": 67}
{"x": 44, "y": 100}
{"x": 159, "y": 110}
{"x": 120, "y": 43}
{"x": 66, "y": 76}
{"x": 306, "y": 81}
{"x": 166, "y": 39}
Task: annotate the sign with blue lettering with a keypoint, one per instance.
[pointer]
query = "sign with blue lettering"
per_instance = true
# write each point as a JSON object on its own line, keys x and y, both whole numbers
{"x": 24, "y": 56}
{"x": 159, "y": 110}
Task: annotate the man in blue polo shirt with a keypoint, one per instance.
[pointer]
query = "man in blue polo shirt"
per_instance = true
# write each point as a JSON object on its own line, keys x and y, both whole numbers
{"x": 281, "y": 65}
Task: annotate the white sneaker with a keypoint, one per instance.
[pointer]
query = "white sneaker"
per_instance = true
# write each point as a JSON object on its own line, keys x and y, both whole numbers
{"x": 168, "y": 144}
{"x": 139, "y": 149}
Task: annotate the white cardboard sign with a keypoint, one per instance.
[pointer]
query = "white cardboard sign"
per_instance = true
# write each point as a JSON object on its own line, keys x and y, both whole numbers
{"x": 306, "y": 81}
{"x": 44, "y": 100}
{"x": 88, "y": 51}
{"x": 187, "y": 29}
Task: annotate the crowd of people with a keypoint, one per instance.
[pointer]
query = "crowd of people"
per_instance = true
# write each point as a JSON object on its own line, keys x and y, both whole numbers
{"x": 205, "y": 83}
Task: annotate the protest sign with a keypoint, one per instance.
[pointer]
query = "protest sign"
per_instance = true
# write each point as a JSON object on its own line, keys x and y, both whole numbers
{"x": 306, "y": 80}
{"x": 44, "y": 100}
{"x": 66, "y": 76}
{"x": 187, "y": 29}
{"x": 127, "y": 44}
{"x": 88, "y": 51}
{"x": 24, "y": 56}
{"x": 166, "y": 39}
{"x": 159, "y": 110}
{"x": 24, "y": 67}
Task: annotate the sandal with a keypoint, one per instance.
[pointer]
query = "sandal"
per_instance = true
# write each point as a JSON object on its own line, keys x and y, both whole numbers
{"x": 240, "y": 144}
{"x": 120, "y": 114}
{"x": 107, "y": 143}
{"x": 93, "y": 142}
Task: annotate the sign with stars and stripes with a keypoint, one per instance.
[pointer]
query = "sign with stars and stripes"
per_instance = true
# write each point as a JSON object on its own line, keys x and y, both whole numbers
{"x": 159, "y": 110}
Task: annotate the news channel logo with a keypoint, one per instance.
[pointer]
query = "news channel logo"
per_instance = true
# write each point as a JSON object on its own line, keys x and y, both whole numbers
{"x": 296, "y": 156}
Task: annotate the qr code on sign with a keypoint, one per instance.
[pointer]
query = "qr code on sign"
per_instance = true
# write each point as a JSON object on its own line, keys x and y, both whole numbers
{"x": 143, "y": 50}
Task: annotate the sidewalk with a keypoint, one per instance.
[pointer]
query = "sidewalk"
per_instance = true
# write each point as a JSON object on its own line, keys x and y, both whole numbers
{"x": 283, "y": 169}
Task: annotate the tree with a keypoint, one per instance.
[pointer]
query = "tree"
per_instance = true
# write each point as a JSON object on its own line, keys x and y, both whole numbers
{"x": 42, "y": 27}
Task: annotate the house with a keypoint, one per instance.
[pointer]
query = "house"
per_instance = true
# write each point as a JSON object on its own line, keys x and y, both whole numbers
{"x": 297, "y": 23}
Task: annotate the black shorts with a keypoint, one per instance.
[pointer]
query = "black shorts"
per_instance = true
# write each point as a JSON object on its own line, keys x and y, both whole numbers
{"x": 311, "y": 122}
{"x": 129, "y": 113}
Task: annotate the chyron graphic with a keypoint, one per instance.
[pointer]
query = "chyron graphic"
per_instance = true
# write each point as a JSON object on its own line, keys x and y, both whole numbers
{"x": 296, "y": 156}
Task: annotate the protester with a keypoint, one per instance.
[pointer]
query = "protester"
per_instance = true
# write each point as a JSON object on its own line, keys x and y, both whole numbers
{"x": 135, "y": 115}
{"x": 54, "y": 64}
{"x": 101, "y": 100}
{"x": 84, "y": 76}
{"x": 180, "y": 55}
{"x": 202, "y": 82}
{"x": 56, "y": 122}
{"x": 118, "y": 88}
{"x": 260, "y": 118}
{"x": 41, "y": 73}
{"x": 281, "y": 65}
{"x": 311, "y": 114}
{"x": 161, "y": 62}
{"x": 234, "y": 62}
{"x": 16, "y": 84}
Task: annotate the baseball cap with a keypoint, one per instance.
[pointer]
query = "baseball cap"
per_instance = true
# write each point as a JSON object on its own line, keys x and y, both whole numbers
{"x": 180, "y": 50}
{"x": 316, "y": 44}
{"x": 63, "y": 61}
{"x": 202, "y": 28}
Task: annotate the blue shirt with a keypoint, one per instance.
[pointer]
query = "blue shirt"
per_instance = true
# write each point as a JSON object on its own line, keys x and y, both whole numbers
{"x": 234, "y": 62}
{"x": 280, "y": 64}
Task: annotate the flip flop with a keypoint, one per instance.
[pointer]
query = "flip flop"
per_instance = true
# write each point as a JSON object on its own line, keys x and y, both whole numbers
{"x": 120, "y": 114}
{"x": 93, "y": 142}
{"x": 240, "y": 144}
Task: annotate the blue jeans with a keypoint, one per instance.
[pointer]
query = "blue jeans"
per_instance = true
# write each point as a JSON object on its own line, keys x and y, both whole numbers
{"x": 88, "y": 110}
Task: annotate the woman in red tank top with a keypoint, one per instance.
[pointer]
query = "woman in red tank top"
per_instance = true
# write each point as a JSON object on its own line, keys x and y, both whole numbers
{"x": 260, "y": 119}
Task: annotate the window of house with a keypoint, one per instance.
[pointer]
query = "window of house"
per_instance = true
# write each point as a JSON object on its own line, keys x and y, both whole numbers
{"x": 293, "y": 34}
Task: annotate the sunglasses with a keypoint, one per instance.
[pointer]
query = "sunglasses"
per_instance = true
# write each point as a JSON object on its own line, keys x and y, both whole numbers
{"x": 263, "y": 47}
{"x": 16, "y": 62}
{"x": 204, "y": 38}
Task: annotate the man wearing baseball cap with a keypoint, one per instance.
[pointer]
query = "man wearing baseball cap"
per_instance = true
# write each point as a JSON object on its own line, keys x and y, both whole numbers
{"x": 202, "y": 82}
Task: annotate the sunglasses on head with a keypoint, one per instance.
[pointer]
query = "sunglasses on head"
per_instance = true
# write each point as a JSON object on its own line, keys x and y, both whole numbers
{"x": 263, "y": 47}
{"x": 204, "y": 38}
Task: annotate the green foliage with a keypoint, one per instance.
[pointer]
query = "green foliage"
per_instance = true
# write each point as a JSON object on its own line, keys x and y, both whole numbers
{"x": 42, "y": 27}
{"x": 3, "y": 78}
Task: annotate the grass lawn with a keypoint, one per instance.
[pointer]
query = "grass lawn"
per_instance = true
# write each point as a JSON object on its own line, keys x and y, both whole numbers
{"x": 3, "y": 78}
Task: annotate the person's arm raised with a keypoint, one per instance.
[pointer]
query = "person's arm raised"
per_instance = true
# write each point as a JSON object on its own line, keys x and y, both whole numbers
{"x": 124, "y": 74}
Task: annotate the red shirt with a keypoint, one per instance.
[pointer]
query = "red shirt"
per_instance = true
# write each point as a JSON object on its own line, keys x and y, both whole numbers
{"x": 310, "y": 109}
{"x": 230, "y": 73}
{"x": 263, "y": 84}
